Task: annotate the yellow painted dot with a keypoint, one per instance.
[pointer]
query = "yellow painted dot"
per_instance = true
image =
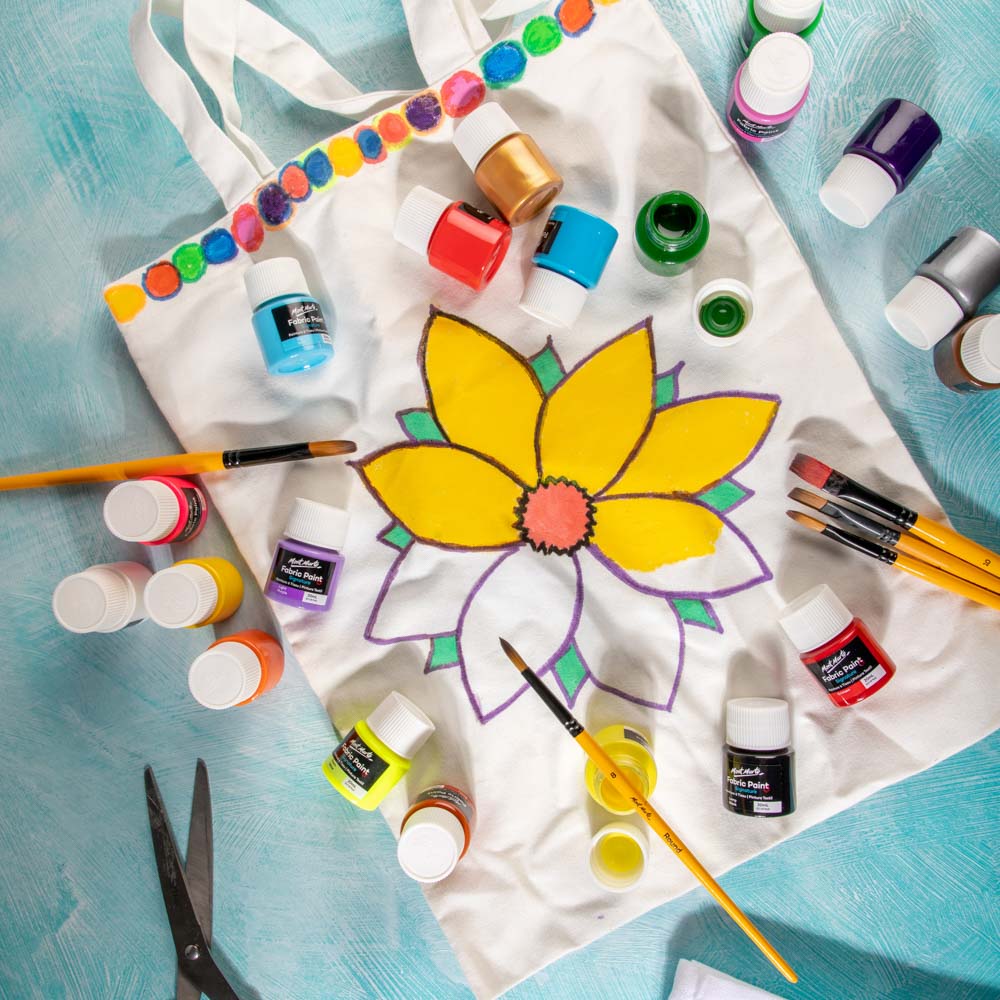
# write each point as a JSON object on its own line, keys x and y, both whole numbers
{"x": 345, "y": 155}
{"x": 125, "y": 301}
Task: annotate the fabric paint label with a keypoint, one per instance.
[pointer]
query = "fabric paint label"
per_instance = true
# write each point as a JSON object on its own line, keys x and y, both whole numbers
{"x": 631, "y": 734}
{"x": 756, "y": 787}
{"x": 452, "y": 796}
{"x": 850, "y": 665}
{"x": 300, "y": 319}
{"x": 549, "y": 234}
{"x": 306, "y": 574}
{"x": 361, "y": 765}
{"x": 753, "y": 129}
{"x": 476, "y": 213}
{"x": 195, "y": 516}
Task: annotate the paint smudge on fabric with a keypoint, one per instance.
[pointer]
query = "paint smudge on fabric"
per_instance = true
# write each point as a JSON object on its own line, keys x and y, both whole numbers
{"x": 462, "y": 93}
{"x": 503, "y": 64}
{"x": 189, "y": 260}
{"x": 218, "y": 246}
{"x": 247, "y": 229}
{"x": 575, "y": 16}
{"x": 423, "y": 112}
{"x": 345, "y": 156}
{"x": 274, "y": 205}
{"x": 162, "y": 280}
{"x": 542, "y": 35}
{"x": 294, "y": 182}
{"x": 125, "y": 301}
{"x": 318, "y": 169}
{"x": 370, "y": 143}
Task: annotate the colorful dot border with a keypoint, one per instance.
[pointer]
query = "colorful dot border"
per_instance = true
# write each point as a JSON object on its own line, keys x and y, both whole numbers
{"x": 273, "y": 205}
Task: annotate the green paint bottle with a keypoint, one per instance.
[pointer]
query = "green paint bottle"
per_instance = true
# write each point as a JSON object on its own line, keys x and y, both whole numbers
{"x": 670, "y": 231}
{"x": 800, "y": 17}
{"x": 376, "y": 753}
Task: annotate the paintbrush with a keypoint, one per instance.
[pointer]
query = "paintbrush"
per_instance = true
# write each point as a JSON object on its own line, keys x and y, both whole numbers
{"x": 898, "y": 540}
{"x": 939, "y": 535}
{"x": 625, "y": 788}
{"x": 901, "y": 561}
{"x": 190, "y": 464}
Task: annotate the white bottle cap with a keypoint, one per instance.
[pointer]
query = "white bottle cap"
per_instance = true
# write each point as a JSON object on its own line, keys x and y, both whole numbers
{"x": 317, "y": 524}
{"x": 481, "y": 130}
{"x": 617, "y": 881}
{"x": 430, "y": 844}
{"x": 552, "y": 297}
{"x": 142, "y": 510}
{"x": 980, "y": 350}
{"x": 758, "y": 724}
{"x": 776, "y": 73}
{"x": 857, "y": 190}
{"x": 400, "y": 725}
{"x": 182, "y": 595}
{"x": 814, "y": 618}
{"x": 418, "y": 217}
{"x": 274, "y": 277}
{"x": 103, "y": 598}
{"x": 923, "y": 312}
{"x": 786, "y": 15}
{"x": 224, "y": 675}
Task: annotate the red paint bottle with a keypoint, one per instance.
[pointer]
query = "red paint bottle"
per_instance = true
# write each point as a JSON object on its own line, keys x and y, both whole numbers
{"x": 458, "y": 239}
{"x": 837, "y": 648}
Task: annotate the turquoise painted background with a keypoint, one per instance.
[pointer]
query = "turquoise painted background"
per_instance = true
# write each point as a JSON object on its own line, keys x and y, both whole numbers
{"x": 894, "y": 899}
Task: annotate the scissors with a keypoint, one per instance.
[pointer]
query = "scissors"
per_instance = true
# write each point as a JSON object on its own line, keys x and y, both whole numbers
{"x": 187, "y": 890}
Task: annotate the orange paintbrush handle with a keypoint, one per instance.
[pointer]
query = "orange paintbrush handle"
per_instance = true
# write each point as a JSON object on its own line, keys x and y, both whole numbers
{"x": 659, "y": 826}
{"x": 948, "y": 582}
{"x": 942, "y": 560}
{"x": 167, "y": 465}
{"x": 943, "y": 537}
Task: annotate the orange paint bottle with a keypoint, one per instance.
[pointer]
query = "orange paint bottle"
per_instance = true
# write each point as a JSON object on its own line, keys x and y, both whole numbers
{"x": 237, "y": 669}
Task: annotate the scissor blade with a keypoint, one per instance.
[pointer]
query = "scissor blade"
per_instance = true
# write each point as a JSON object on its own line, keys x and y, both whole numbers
{"x": 198, "y": 869}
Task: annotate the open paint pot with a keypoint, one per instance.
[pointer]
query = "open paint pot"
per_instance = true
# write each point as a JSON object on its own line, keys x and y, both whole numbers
{"x": 618, "y": 857}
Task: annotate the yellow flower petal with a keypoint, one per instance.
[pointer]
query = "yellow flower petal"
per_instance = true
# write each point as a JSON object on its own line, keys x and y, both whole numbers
{"x": 644, "y": 533}
{"x": 693, "y": 445}
{"x": 445, "y": 496}
{"x": 593, "y": 419}
{"x": 484, "y": 395}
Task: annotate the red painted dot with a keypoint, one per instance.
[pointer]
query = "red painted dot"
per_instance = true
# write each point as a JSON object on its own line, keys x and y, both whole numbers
{"x": 555, "y": 516}
{"x": 393, "y": 128}
{"x": 575, "y": 16}
{"x": 462, "y": 92}
{"x": 295, "y": 182}
{"x": 162, "y": 280}
{"x": 247, "y": 229}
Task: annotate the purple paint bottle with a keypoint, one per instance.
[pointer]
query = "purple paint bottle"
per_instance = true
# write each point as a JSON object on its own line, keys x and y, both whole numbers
{"x": 770, "y": 87}
{"x": 307, "y": 560}
{"x": 880, "y": 161}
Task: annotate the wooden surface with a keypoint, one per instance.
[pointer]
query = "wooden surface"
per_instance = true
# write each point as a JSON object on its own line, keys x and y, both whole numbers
{"x": 894, "y": 899}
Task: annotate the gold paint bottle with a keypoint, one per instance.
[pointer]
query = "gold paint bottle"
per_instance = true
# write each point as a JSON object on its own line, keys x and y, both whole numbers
{"x": 510, "y": 169}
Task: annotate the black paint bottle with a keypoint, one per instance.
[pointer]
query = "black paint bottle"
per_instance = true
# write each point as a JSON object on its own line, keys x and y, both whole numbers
{"x": 758, "y": 777}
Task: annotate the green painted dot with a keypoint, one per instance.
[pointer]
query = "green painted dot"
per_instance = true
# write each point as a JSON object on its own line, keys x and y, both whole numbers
{"x": 666, "y": 389}
{"x": 398, "y": 537}
{"x": 723, "y": 496}
{"x": 693, "y": 611}
{"x": 571, "y": 672}
{"x": 542, "y": 35}
{"x": 722, "y": 316}
{"x": 444, "y": 651}
{"x": 189, "y": 260}
{"x": 421, "y": 426}
{"x": 548, "y": 369}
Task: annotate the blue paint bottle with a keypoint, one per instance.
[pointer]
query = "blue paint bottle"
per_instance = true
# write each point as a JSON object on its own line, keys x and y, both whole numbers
{"x": 288, "y": 321}
{"x": 568, "y": 262}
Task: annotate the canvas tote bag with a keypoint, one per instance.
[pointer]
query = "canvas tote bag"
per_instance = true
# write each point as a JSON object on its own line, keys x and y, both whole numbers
{"x": 661, "y": 600}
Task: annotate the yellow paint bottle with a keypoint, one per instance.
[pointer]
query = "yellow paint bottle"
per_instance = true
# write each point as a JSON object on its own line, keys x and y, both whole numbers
{"x": 194, "y": 592}
{"x": 629, "y": 749}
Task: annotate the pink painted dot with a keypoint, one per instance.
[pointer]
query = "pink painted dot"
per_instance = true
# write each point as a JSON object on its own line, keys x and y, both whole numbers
{"x": 461, "y": 93}
{"x": 555, "y": 516}
{"x": 247, "y": 229}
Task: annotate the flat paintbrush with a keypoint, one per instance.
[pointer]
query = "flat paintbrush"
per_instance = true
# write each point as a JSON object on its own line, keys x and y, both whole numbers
{"x": 824, "y": 478}
{"x": 630, "y": 793}
{"x": 898, "y": 540}
{"x": 900, "y": 561}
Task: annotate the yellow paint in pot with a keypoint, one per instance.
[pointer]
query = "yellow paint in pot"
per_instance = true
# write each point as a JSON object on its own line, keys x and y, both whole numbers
{"x": 629, "y": 748}
{"x": 618, "y": 856}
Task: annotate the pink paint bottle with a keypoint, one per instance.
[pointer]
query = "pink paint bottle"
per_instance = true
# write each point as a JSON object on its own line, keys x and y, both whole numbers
{"x": 770, "y": 87}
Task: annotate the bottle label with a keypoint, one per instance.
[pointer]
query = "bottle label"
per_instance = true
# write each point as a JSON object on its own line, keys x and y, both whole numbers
{"x": 453, "y": 796}
{"x": 196, "y": 511}
{"x": 549, "y": 234}
{"x": 755, "y": 129}
{"x": 756, "y": 786}
{"x": 631, "y": 734}
{"x": 361, "y": 765}
{"x": 310, "y": 576}
{"x": 476, "y": 213}
{"x": 850, "y": 664}
{"x": 300, "y": 319}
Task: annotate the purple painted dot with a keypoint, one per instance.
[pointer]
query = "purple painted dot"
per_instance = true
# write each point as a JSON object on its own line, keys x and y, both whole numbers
{"x": 274, "y": 205}
{"x": 218, "y": 246}
{"x": 423, "y": 112}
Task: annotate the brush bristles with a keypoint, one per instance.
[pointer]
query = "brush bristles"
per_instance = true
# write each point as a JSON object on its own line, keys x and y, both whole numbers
{"x": 814, "y": 472}
{"x": 807, "y": 499}
{"x": 324, "y": 449}
{"x": 513, "y": 655}
{"x": 805, "y": 520}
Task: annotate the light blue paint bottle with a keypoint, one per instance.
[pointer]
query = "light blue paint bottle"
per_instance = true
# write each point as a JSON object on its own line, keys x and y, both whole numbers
{"x": 288, "y": 321}
{"x": 568, "y": 262}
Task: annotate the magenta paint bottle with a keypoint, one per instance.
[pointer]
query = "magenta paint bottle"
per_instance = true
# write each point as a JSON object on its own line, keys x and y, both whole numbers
{"x": 770, "y": 87}
{"x": 307, "y": 559}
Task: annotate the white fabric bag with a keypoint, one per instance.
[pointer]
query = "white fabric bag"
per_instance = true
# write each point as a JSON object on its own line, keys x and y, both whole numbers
{"x": 682, "y": 557}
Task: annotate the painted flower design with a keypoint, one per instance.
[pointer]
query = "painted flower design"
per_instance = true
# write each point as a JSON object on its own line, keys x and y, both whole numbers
{"x": 580, "y": 513}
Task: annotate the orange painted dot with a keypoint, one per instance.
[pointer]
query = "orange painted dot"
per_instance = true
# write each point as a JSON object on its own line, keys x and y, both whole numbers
{"x": 575, "y": 16}
{"x": 162, "y": 280}
{"x": 394, "y": 129}
{"x": 345, "y": 155}
{"x": 125, "y": 301}
{"x": 295, "y": 182}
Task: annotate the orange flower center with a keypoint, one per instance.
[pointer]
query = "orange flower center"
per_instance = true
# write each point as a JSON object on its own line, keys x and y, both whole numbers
{"x": 556, "y": 516}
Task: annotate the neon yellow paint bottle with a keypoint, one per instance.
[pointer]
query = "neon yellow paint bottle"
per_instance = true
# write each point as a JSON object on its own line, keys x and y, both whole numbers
{"x": 629, "y": 749}
{"x": 377, "y": 752}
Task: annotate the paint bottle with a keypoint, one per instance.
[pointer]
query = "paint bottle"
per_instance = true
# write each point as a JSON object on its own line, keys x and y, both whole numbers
{"x": 948, "y": 288}
{"x": 194, "y": 592}
{"x": 618, "y": 856}
{"x": 670, "y": 231}
{"x": 455, "y": 237}
{"x": 800, "y": 17}
{"x": 758, "y": 776}
{"x": 568, "y": 261}
{"x": 307, "y": 560}
{"x": 288, "y": 321}
{"x": 435, "y": 833}
{"x": 509, "y": 167}
{"x": 155, "y": 510}
{"x": 880, "y": 161}
{"x": 237, "y": 669}
{"x": 723, "y": 311}
{"x": 837, "y": 648}
{"x": 104, "y": 598}
{"x": 770, "y": 87}
{"x": 377, "y": 752}
{"x": 630, "y": 750}
{"x": 968, "y": 360}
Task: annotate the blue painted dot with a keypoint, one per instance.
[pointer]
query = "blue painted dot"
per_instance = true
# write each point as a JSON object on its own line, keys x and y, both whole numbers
{"x": 503, "y": 64}
{"x": 370, "y": 144}
{"x": 317, "y": 167}
{"x": 218, "y": 246}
